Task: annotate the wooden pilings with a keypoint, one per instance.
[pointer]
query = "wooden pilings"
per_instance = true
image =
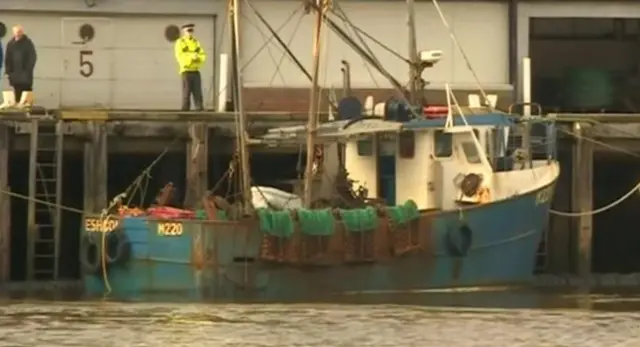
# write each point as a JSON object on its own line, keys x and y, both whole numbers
{"x": 197, "y": 164}
{"x": 95, "y": 168}
{"x": 571, "y": 237}
{"x": 582, "y": 200}
{"x": 559, "y": 236}
{"x": 5, "y": 211}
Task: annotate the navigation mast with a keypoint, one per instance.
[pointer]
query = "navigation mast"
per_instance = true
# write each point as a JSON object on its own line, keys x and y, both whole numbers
{"x": 415, "y": 71}
{"x": 241, "y": 122}
{"x": 313, "y": 105}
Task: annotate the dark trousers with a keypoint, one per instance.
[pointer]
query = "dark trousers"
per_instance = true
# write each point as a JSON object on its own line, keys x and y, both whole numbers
{"x": 18, "y": 89}
{"x": 191, "y": 85}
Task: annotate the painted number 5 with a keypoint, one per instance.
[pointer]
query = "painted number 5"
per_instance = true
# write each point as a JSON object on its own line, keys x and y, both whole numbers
{"x": 86, "y": 66}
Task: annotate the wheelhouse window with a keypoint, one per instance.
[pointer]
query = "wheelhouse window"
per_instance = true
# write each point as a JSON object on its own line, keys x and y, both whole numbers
{"x": 388, "y": 144}
{"x": 477, "y": 133}
{"x": 443, "y": 144}
{"x": 471, "y": 152}
{"x": 407, "y": 144}
{"x": 490, "y": 141}
{"x": 365, "y": 147}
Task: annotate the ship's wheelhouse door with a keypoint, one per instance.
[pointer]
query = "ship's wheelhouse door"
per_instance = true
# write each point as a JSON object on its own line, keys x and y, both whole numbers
{"x": 387, "y": 144}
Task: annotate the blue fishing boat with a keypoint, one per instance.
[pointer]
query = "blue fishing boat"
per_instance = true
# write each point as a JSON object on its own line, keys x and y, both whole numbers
{"x": 439, "y": 197}
{"x": 453, "y": 215}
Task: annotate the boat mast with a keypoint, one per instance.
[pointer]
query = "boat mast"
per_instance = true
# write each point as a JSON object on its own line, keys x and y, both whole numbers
{"x": 313, "y": 105}
{"x": 241, "y": 122}
{"x": 415, "y": 71}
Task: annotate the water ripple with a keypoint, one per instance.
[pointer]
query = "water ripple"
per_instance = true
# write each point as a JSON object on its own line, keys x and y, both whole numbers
{"x": 134, "y": 324}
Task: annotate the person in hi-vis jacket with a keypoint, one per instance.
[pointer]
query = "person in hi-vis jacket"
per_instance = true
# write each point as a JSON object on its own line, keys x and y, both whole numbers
{"x": 190, "y": 57}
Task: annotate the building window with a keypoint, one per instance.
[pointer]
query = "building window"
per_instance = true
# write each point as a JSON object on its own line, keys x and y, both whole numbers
{"x": 575, "y": 28}
{"x": 86, "y": 32}
{"x": 443, "y": 144}
{"x": 171, "y": 33}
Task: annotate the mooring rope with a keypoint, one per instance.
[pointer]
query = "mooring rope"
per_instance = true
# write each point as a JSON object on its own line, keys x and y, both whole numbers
{"x": 616, "y": 202}
{"x": 607, "y": 207}
{"x": 105, "y": 214}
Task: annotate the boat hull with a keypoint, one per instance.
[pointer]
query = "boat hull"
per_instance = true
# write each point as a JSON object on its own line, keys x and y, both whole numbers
{"x": 486, "y": 245}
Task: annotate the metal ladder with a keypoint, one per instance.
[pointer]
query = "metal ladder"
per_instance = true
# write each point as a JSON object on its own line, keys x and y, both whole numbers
{"x": 542, "y": 254}
{"x": 45, "y": 200}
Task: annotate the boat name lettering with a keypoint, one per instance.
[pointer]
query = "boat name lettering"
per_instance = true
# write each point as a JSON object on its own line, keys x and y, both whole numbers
{"x": 544, "y": 196}
{"x": 97, "y": 225}
{"x": 170, "y": 229}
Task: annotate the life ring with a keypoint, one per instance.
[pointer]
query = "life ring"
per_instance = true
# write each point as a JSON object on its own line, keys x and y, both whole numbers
{"x": 118, "y": 247}
{"x": 91, "y": 253}
{"x": 459, "y": 240}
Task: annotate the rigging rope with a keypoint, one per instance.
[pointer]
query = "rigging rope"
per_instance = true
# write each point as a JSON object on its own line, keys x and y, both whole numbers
{"x": 42, "y": 202}
{"x": 286, "y": 52}
{"x": 356, "y": 29}
{"x": 260, "y": 49}
{"x": 277, "y": 71}
{"x": 351, "y": 27}
{"x": 397, "y": 87}
{"x": 464, "y": 55}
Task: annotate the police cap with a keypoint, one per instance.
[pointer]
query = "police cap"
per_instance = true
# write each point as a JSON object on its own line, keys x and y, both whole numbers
{"x": 187, "y": 26}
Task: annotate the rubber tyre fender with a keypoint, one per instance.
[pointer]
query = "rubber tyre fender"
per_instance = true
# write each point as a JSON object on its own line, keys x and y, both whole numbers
{"x": 470, "y": 184}
{"x": 459, "y": 240}
{"x": 91, "y": 262}
{"x": 118, "y": 247}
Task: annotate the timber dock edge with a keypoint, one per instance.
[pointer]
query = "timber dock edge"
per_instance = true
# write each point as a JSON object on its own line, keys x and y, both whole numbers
{"x": 560, "y": 281}
{"x": 150, "y": 116}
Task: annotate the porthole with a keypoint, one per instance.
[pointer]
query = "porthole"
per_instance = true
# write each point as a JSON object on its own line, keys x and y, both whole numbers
{"x": 86, "y": 33}
{"x": 172, "y": 33}
{"x": 3, "y": 30}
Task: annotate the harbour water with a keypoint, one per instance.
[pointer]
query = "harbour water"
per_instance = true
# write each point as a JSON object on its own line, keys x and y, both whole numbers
{"x": 495, "y": 319}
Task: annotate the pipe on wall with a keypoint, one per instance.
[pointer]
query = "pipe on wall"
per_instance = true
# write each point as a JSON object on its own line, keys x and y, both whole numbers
{"x": 513, "y": 47}
{"x": 214, "y": 63}
{"x": 223, "y": 82}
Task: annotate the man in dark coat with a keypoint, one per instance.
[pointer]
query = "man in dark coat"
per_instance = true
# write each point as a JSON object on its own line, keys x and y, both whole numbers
{"x": 19, "y": 61}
